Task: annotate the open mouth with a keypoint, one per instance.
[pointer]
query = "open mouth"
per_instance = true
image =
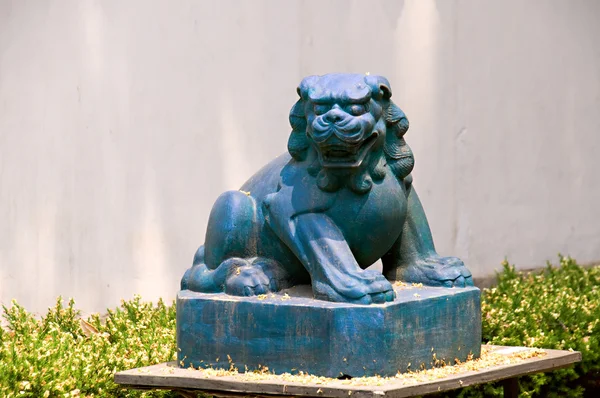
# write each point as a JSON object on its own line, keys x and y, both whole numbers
{"x": 344, "y": 156}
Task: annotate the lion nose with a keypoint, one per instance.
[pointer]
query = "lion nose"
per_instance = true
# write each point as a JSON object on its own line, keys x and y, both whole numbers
{"x": 334, "y": 116}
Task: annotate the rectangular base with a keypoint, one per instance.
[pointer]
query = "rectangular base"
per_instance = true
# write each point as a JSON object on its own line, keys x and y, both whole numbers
{"x": 421, "y": 328}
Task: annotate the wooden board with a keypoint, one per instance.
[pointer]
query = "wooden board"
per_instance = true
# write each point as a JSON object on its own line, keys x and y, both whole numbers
{"x": 169, "y": 376}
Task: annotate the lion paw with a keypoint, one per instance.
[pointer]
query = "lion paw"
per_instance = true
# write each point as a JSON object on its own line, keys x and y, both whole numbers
{"x": 248, "y": 280}
{"x": 366, "y": 287}
{"x": 437, "y": 271}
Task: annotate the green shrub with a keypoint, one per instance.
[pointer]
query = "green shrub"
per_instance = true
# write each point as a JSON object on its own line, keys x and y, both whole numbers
{"x": 62, "y": 355}
{"x": 558, "y": 308}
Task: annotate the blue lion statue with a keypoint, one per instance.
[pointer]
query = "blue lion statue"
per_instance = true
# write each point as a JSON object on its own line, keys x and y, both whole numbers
{"x": 321, "y": 214}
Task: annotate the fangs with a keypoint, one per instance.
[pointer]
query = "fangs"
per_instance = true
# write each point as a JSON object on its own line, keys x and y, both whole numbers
{"x": 350, "y": 160}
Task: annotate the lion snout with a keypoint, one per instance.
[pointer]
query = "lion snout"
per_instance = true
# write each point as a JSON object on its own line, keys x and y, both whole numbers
{"x": 348, "y": 130}
{"x": 336, "y": 116}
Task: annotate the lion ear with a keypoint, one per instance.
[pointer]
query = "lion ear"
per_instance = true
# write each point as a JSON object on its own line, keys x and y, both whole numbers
{"x": 305, "y": 85}
{"x": 386, "y": 91}
{"x": 380, "y": 87}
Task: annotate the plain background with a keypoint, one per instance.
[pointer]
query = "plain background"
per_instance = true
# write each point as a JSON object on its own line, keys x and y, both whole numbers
{"x": 122, "y": 121}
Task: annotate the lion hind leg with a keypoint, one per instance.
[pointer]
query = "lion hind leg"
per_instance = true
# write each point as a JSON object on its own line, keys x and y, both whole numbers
{"x": 202, "y": 279}
{"x": 192, "y": 273}
{"x": 232, "y": 229}
{"x": 236, "y": 276}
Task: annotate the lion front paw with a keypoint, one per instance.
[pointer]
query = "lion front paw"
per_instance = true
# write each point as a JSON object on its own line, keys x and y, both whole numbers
{"x": 364, "y": 287}
{"x": 437, "y": 271}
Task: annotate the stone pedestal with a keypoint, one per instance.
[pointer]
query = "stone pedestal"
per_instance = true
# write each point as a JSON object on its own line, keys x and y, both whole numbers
{"x": 292, "y": 333}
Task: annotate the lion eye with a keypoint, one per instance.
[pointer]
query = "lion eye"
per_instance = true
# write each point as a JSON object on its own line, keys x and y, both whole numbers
{"x": 357, "y": 109}
{"x": 321, "y": 109}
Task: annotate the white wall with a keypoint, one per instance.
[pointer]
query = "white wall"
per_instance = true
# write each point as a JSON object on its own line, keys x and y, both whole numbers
{"x": 122, "y": 121}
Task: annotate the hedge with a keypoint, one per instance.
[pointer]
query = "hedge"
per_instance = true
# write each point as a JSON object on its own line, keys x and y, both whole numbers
{"x": 63, "y": 355}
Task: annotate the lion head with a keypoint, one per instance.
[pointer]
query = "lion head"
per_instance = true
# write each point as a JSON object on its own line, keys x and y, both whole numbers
{"x": 349, "y": 131}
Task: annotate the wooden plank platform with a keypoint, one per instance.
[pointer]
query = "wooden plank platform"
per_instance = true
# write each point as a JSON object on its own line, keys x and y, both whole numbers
{"x": 505, "y": 363}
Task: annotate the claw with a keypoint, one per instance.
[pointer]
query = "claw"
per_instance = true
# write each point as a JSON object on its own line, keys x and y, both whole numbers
{"x": 378, "y": 298}
{"x": 436, "y": 271}
{"x": 273, "y": 285}
{"x": 390, "y": 295}
{"x": 260, "y": 289}
{"x": 366, "y": 299}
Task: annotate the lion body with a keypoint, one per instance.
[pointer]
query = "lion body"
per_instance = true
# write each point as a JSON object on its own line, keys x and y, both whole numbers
{"x": 382, "y": 211}
{"x": 341, "y": 200}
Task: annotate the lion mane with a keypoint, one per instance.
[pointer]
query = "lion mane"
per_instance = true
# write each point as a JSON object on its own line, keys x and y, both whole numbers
{"x": 395, "y": 154}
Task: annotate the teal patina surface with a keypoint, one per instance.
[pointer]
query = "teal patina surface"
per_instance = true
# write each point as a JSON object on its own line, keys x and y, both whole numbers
{"x": 319, "y": 216}
{"x": 339, "y": 201}
{"x": 421, "y": 328}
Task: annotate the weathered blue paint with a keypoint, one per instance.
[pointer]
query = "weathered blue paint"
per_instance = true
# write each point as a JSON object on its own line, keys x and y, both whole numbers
{"x": 342, "y": 199}
{"x": 326, "y": 338}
